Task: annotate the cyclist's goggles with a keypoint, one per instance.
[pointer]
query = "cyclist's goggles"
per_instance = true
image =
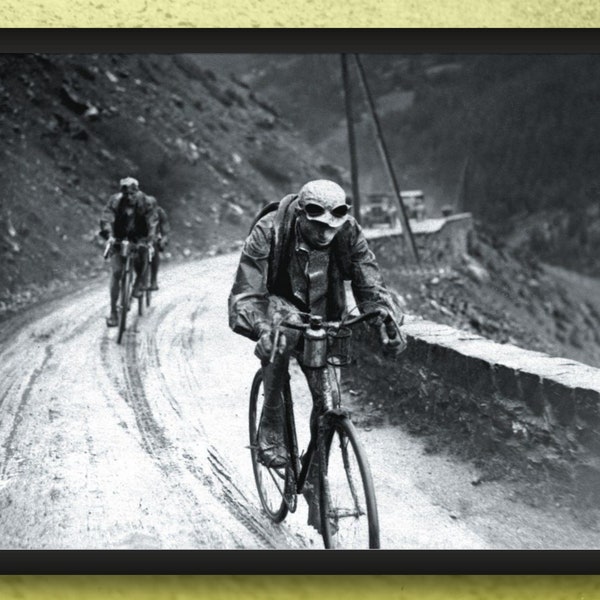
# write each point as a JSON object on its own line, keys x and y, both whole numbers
{"x": 334, "y": 217}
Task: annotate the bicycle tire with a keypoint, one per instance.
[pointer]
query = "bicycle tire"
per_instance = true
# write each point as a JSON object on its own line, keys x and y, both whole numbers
{"x": 291, "y": 441}
{"x": 124, "y": 305}
{"x": 148, "y": 295}
{"x": 348, "y": 505}
{"x": 141, "y": 305}
{"x": 271, "y": 484}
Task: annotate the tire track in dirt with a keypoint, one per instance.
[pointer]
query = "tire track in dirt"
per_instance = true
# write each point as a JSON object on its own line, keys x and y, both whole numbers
{"x": 240, "y": 505}
{"x": 127, "y": 381}
{"x": 154, "y": 361}
{"x": 153, "y": 435}
{"x": 110, "y": 369}
{"x": 216, "y": 473}
{"x": 219, "y": 480}
{"x": 25, "y": 396}
{"x": 154, "y": 440}
{"x": 9, "y": 383}
{"x": 82, "y": 327}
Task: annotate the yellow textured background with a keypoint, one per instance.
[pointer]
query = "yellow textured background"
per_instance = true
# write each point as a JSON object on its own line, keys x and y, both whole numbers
{"x": 440, "y": 587}
{"x": 299, "y": 13}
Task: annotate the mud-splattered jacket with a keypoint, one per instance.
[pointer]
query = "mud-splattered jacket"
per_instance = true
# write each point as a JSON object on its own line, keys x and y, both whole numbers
{"x": 273, "y": 262}
{"x": 135, "y": 220}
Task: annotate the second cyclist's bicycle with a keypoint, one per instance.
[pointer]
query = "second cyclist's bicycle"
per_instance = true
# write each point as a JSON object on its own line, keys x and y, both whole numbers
{"x": 128, "y": 250}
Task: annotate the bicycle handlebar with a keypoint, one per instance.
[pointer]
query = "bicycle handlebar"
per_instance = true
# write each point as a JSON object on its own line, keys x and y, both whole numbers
{"x": 131, "y": 247}
{"x": 318, "y": 323}
{"x": 333, "y": 324}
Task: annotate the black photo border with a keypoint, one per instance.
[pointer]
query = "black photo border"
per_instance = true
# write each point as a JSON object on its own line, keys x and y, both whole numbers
{"x": 299, "y": 562}
{"x": 300, "y": 41}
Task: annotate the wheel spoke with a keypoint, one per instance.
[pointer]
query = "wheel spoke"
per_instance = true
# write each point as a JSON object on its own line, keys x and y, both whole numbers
{"x": 348, "y": 499}
{"x": 350, "y": 474}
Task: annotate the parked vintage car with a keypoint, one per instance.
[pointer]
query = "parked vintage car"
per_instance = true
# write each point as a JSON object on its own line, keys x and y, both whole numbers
{"x": 381, "y": 209}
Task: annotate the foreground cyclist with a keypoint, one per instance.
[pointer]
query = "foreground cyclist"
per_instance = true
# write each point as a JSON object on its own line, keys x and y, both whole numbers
{"x": 296, "y": 259}
{"x": 129, "y": 215}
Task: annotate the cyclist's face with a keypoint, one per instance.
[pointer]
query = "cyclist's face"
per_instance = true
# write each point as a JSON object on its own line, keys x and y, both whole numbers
{"x": 316, "y": 233}
{"x": 129, "y": 190}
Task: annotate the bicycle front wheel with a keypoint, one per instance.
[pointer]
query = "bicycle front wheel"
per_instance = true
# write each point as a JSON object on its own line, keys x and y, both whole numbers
{"x": 349, "y": 518}
{"x": 272, "y": 483}
{"x": 125, "y": 285}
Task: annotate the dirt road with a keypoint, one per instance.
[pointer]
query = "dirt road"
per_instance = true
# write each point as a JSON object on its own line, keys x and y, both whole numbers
{"x": 143, "y": 445}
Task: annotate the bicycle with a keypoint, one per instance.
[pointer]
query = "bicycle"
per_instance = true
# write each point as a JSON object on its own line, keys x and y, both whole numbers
{"x": 148, "y": 292}
{"x": 127, "y": 250}
{"x": 346, "y": 494}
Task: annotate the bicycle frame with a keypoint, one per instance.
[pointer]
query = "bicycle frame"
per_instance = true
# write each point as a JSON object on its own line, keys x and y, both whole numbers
{"x": 330, "y": 409}
{"x": 324, "y": 382}
{"x": 127, "y": 278}
{"x": 127, "y": 250}
{"x": 125, "y": 287}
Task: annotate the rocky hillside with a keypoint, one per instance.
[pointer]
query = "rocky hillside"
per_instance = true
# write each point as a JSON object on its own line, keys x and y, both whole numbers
{"x": 206, "y": 145}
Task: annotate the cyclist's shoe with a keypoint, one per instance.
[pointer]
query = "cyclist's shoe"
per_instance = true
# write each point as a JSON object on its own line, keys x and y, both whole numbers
{"x": 310, "y": 493}
{"x": 153, "y": 286}
{"x": 113, "y": 320}
{"x": 271, "y": 449}
{"x": 136, "y": 292}
{"x": 314, "y": 510}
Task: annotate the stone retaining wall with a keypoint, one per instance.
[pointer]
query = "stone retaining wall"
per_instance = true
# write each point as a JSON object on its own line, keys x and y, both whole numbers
{"x": 439, "y": 241}
{"x": 499, "y": 404}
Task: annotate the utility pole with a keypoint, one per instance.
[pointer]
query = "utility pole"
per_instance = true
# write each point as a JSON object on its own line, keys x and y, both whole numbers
{"x": 386, "y": 160}
{"x": 351, "y": 139}
{"x": 462, "y": 185}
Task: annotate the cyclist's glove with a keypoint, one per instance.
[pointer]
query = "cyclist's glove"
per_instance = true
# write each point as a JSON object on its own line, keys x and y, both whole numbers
{"x": 264, "y": 346}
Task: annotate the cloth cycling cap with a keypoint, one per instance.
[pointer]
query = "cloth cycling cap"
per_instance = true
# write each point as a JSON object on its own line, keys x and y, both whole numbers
{"x": 324, "y": 201}
{"x": 129, "y": 181}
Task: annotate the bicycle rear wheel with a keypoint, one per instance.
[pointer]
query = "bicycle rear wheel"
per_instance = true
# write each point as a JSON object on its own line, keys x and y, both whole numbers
{"x": 349, "y": 516}
{"x": 141, "y": 305}
{"x": 273, "y": 484}
{"x": 148, "y": 295}
{"x": 125, "y": 291}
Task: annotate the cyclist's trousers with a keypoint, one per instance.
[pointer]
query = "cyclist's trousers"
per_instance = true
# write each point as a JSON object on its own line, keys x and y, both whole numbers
{"x": 275, "y": 374}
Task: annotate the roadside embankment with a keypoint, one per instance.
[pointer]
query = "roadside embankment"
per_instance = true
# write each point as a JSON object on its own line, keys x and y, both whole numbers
{"x": 517, "y": 413}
